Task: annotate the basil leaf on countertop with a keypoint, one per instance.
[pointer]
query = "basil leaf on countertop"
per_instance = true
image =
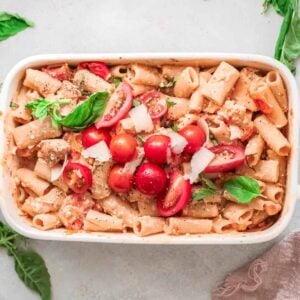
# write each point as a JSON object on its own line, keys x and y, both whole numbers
{"x": 242, "y": 188}
{"x": 87, "y": 112}
{"x": 29, "y": 265}
{"x": 11, "y": 24}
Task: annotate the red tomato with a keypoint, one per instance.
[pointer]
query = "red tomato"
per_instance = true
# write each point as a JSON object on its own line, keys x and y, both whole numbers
{"x": 120, "y": 180}
{"x": 248, "y": 133}
{"x": 195, "y": 137}
{"x": 61, "y": 73}
{"x": 78, "y": 177}
{"x": 156, "y": 148}
{"x": 98, "y": 68}
{"x": 117, "y": 107}
{"x": 177, "y": 197}
{"x": 123, "y": 147}
{"x": 150, "y": 179}
{"x": 263, "y": 106}
{"x": 155, "y": 102}
{"x": 92, "y": 136}
{"x": 228, "y": 157}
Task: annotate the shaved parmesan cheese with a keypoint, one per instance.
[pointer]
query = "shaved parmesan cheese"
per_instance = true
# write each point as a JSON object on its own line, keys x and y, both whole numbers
{"x": 199, "y": 162}
{"x": 132, "y": 165}
{"x": 203, "y": 124}
{"x": 98, "y": 151}
{"x": 57, "y": 170}
{"x": 235, "y": 132}
{"x": 178, "y": 142}
{"x": 141, "y": 118}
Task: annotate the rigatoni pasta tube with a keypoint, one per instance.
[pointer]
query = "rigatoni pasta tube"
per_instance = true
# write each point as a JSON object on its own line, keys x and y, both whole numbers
{"x": 178, "y": 110}
{"x": 46, "y": 221}
{"x": 32, "y": 133}
{"x": 29, "y": 179}
{"x": 146, "y": 225}
{"x": 272, "y": 136}
{"x": 97, "y": 221}
{"x": 182, "y": 225}
{"x": 171, "y": 71}
{"x": 238, "y": 213}
{"x": 201, "y": 210}
{"x": 42, "y": 82}
{"x": 276, "y": 85}
{"x": 221, "y": 225}
{"x": 144, "y": 75}
{"x": 91, "y": 82}
{"x": 260, "y": 91}
{"x": 121, "y": 209}
{"x": 254, "y": 149}
{"x": 221, "y": 82}
{"x": 274, "y": 192}
{"x": 186, "y": 83}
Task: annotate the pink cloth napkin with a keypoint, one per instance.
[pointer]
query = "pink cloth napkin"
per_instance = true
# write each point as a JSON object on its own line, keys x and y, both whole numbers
{"x": 275, "y": 275}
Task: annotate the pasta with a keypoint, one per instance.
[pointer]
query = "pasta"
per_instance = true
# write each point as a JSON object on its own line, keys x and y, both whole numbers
{"x": 155, "y": 154}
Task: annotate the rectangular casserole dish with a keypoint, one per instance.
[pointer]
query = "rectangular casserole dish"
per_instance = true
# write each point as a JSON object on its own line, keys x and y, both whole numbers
{"x": 11, "y": 83}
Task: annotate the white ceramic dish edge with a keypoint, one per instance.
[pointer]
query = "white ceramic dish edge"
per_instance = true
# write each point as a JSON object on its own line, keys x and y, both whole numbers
{"x": 9, "y": 208}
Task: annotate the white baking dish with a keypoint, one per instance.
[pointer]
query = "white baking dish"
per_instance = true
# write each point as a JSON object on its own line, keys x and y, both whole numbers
{"x": 11, "y": 212}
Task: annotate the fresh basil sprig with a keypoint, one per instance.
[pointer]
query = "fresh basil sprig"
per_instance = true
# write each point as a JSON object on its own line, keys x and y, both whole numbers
{"x": 209, "y": 189}
{"x": 287, "y": 48}
{"x": 136, "y": 102}
{"x": 81, "y": 117}
{"x": 170, "y": 103}
{"x": 117, "y": 81}
{"x": 242, "y": 188}
{"x": 11, "y": 24}
{"x": 29, "y": 265}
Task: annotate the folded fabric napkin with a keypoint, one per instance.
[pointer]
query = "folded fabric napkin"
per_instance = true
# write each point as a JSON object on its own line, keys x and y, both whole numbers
{"x": 274, "y": 275}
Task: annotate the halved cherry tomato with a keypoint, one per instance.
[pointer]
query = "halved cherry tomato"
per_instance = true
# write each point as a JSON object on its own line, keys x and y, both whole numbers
{"x": 117, "y": 107}
{"x": 98, "y": 68}
{"x": 177, "y": 197}
{"x": 248, "y": 133}
{"x": 195, "y": 137}
{"x": 119, "y": 180}
{"x": 92, "y": 136}
{"x": 228, "y": 157}
{"x": 156, "y": 148}
{"x": 263, "y": 106}
{"x": 150, "y": 179}
{"x": 155, "y": 102}
{"x": 78, "y": 177}
{"x": 123, "y": 147}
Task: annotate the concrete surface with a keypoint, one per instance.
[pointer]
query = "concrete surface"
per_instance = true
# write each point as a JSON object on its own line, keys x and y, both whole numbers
{"x": 95, "y": 271}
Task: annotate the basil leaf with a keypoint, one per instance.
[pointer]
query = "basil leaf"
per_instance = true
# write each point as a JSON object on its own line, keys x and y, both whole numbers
{"x": 87, "y": 112}
{"x": 11, "y": 24}
{"x": 136, "y": 102}
{"x": 208, "y": 182}
{"x": 174, "y": 127}
{"x": 32, "y": 270}
{"x": 13, "y": 104}
{"x": 170, "y": 103}
{"x": 203, "y": 193}
{"x": 117, "y": 81}
{"x": 280, "y": 6}
{"x": 242, "y": 188}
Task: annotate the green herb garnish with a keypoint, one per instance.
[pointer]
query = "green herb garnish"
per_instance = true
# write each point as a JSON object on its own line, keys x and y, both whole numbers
{"x": 170, "y": 103}
{"x": 13, "y": 104}
{"x": 213, "y": 139}
{"x": 242, "y": 188}
{"x": 141, "y": 138}
{"x": 81, "y": 117}
{"x": 168, "y": 84}
{"x": 11, "y": 24}
{"x": 117, "y": 81}
{"x": 287, "y": 48}
{"x": 29, "y": 265}
{"x": 136, "y": 102}
{"x": 209, "y": 189}
{"x": 174, "y": 127}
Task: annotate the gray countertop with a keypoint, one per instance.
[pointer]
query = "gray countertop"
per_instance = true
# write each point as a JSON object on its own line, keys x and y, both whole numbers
{"x": 98, "y": 271}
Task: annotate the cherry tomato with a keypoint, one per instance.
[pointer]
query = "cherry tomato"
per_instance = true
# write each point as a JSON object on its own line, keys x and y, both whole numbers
{"x": 263, "y": 106}
{"x": 177, "y": 197}
{"x": 156, "y": 148}
{"x": 155, "y": 102}
{"x": 123, "y": 147}
{"x": 78, "y": 177}
{"x": 117, "y": 107}
{"x": 150, "y": 179}
{"x": 120, "y": 180}
{"x": 195, "y": 137}
{"x": 61, "y": 73}
{"x": 228, "y": 157}
{"x": 98, "y": 68}
{"x": 248, "y": 133}
{"x": 92, "y": 136}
